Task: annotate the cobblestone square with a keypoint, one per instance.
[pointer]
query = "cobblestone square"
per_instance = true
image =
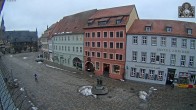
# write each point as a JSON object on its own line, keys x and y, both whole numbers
{"x": 57, "y": 89}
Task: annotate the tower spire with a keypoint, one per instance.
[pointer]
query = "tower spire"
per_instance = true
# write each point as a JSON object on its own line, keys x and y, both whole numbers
{"x": 2, "y": 24}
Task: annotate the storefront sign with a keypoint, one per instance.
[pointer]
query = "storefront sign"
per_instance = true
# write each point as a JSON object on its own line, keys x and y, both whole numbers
{"x": 173, "y": 50}
{"x": 150, "y": 67}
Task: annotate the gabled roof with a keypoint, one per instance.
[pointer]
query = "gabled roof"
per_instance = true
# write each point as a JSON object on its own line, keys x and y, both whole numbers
{"x": 108, "y": 17}
{"x": 111, "y": 12}
{"x": 179, "y": 28}
{"x": 48, "y": 33}
{"x": 21, "y": 36}
{"x": 73, "y": 23}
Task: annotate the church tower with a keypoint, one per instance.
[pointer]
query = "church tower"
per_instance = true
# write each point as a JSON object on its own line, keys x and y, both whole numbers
{"x": 2, "y": 28}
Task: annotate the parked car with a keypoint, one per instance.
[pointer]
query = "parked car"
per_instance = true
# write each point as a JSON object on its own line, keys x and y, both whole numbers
{"x": 39, "y": 58}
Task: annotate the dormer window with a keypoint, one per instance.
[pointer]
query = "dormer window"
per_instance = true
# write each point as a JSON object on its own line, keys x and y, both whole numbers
{"x": 90, "y": 22}
{"x": 119, "y": 19}
{"x": 148, "y": 28}
{"x": 189, "y": 31}
{"x": 103, "y": 21}
{"x": 168, "y": 29}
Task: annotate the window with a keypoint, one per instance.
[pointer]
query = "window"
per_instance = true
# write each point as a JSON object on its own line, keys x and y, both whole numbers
{"x": 62, "y": 47}
{"x": 183, "y": 59}
{"x": 116, "y": 69}
{"x": 168, "y": 29}
{"x": 98, "y": 44}
{"x": 119, "y": 34}
{"x": 160, "y": 75}
{"x": 59, "y": 46}
{"x": 111, "y": 34}
{"x": 174, "y": 42}
{"x": 111, "y": 45}
{"x": 102, "y": 23}
{"x": 89, "y": 44}
{"x": 135, "y": 40}
{"x": 191, "y": 61}
{"x": 76, "y": 49}
{"x": 93, "y": 44}
{"x": 56, "y": 47}
{"x": 93, "y": 54}
{"x": 148, "y": 28}
{"x": 97, "y": 65}
{"x": 192, "y": 44}
{"x": 105, "y": 55}
{"x": 65, "y": 48}
{"x": 133, "y": 72}
{"x": 152, "y": 57}
{"x": 65, "y": 38}
{"x": 189, "y": 31}
{"x": 73, "y": 49}
{"x": 119, "y": 45}
{"x": 88, "y": 54}
{"x": 143, "y": 56}
{"x": 142, "y": 72}
{"x": 118, "y": 21}
{"x": 184, "y": 43}
{"x": 81, "y": 49}
{"x": 151, "y": 74}
{"x": 68, "y": 48}
{"x": 98, "y": 34}
{"x": 119, "y": 57}
{"x": 134, "y": 56}
{"x": 93, "y": 34}
{"x": 144, "y": 40}
{"x": 162, "y": 58}
{"x": 73, "y": 38}
{"x": 86, "y": 44}
{"x": 105, "y": 44}
{"x": 77, "y": 38}
{"x": 62, "y": 38}
{"x": 98, "y": 55}
{"x": 173, "y": 59}
{"x": 105, "y": 34}
{"x": 153, "y": 41}
{"x": 111, "y": 56}
{"x": 68, "y": 38}
{"x": 163, "y": 41}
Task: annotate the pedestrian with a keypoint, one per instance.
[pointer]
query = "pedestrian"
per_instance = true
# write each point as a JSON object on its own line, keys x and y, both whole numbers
{"x": 35, "y": 75}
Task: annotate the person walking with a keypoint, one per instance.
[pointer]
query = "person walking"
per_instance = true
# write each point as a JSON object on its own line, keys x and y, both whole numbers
{"x": 35, "y": 75}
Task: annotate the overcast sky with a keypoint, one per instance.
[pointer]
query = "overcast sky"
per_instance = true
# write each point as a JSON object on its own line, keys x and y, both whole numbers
{"x": 32, "y": 14}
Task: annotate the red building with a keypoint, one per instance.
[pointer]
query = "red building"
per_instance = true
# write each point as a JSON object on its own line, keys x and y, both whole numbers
{"x": 105, "y": 41}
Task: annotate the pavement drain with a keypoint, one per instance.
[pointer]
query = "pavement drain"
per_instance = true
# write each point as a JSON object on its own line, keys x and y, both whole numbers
{"x": 191, "y": 105}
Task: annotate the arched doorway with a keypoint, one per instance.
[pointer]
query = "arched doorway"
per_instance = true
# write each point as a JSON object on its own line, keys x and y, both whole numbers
{"x": 77, "y": 62}
{"x": 89, "y": 67}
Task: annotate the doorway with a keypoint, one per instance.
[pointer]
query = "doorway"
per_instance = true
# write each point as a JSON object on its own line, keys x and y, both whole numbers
{"x": 106, "y": 70}
{"x": 170, "y": 75}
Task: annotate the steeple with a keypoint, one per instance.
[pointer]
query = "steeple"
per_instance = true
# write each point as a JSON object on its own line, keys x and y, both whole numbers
{"x": 2, "y": 25}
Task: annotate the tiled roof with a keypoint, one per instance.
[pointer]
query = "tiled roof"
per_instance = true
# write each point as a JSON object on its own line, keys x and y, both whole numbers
{"x": 110, "y": 15}
{"x": 21, "y": 36}
{"x": 110, "y": 12}
{"x": 73, "y": 23}
{"x": 179, "y": 28}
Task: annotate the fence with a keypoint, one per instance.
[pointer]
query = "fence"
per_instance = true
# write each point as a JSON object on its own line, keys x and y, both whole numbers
{"x": 12, "y": 96}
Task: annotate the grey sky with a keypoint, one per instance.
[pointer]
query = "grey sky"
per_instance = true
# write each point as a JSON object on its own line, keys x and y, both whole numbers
{"x": 32, "y": 14}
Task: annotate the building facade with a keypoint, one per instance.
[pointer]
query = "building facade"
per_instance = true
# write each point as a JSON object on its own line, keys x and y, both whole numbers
{"x": 68, "y": 40}
{"x": 161, "y": 50}
{"x": 44, "y": 42}
{"x": 105, "y": 41}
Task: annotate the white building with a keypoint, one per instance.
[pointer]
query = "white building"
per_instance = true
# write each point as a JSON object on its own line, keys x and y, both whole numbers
{"x": 160, "y": 50}
{"x": 68, "y": 40}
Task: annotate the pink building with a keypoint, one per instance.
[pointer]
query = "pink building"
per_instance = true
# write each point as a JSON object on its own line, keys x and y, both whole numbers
{"x": 105, "y": 41}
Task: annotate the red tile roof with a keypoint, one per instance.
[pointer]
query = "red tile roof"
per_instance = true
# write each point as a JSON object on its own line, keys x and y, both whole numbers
{"x": 110, "y": 15}
{"x": 73, "y": 23}
{"x": 110, "y": 12}
{"x": 179, "y": 28}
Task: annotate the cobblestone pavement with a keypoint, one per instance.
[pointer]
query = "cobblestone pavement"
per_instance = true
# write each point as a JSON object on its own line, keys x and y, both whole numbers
{"x": 58, "y": 89}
